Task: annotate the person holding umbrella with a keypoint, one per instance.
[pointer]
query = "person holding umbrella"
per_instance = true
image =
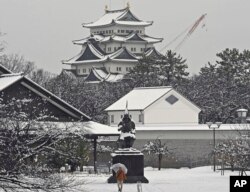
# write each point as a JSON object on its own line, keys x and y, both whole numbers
{"x": 120, "y": 176}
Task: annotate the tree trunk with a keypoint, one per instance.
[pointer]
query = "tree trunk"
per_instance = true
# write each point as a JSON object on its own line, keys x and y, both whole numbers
{"x": 159, "y": 163}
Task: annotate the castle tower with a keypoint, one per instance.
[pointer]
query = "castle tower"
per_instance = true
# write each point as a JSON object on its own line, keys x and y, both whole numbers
{"x": 117, "y": 40}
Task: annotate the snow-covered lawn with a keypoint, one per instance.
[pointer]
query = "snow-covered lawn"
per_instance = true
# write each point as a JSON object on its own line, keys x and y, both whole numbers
{"x": 201, "y": 179}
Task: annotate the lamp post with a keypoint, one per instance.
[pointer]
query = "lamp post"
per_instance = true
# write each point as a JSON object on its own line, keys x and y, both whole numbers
{"x": 214, "y": 126}
{"x": 242, "y": 114}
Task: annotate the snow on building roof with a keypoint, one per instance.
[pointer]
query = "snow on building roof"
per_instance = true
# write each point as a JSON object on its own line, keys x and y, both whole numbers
{"x": 152, "y": 52}
{"x": 114, "y": 77}
{"x": 100, "y": 74}
{"x": 123, "y": 54}
{"x": 139, "y": 98}
{"x": 186, "y": 127}
{"x": 9, "y": 79}
{"x": 82, "y": 128}
{"x": 121, "y": 17}
{"x": 4, "y": 70}
{"x": 134, "y": 36}
{"x": 90, "y": 53}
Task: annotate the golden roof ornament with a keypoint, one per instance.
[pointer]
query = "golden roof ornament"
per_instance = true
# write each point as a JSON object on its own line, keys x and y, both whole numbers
{"x": 106, "y": 8}
{"x": 128, "y": 5}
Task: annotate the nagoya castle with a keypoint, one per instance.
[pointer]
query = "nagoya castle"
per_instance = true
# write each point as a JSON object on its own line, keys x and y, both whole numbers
{"x": 117, "y": 41}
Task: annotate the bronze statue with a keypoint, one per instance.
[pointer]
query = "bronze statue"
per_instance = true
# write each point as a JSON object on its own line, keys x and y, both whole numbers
{"x": 127, "y": 128}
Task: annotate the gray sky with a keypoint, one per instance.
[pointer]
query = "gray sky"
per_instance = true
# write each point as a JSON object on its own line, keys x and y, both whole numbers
{"x": 42, "y": 30}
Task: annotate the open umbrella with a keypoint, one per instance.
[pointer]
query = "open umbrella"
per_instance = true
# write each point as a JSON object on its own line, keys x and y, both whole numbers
{"x": 116, "y": 167}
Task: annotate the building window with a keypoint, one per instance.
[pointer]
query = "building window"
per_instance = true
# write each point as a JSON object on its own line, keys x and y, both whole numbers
{"x": 119, "y": 31}
{"x": 122, "y": 31}
{"x": 112, "y": 118}
{"x": 127, "y": 31}
{"x": 128, "y": 69}
{"x": 118, "y": 69}
{"x": 142, "y": 49}
{"x": 172, "y": 99}
{"x": 140, "y": 31}
{"x": 137, "y": 31}
{"x": 79, "y": 71}
{"x": 84, "y": 70}
{"x": 109, "y": 49}
{"x": 140, "y": 117}
{"x": 115, "y": 48}
{"x": 133, "y": 49}
{"x": 121, "y": 116}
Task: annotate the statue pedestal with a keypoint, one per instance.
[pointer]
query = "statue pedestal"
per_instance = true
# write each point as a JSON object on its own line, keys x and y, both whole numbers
{"x": 134, "y": 161}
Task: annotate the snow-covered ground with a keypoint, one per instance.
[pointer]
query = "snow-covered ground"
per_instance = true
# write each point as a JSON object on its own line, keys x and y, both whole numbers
{"x": 201, "y": 179}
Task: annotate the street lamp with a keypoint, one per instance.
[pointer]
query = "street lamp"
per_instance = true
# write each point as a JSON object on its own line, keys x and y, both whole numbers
{"x": 242, "y": 114}
{"x": 214, "y": 126}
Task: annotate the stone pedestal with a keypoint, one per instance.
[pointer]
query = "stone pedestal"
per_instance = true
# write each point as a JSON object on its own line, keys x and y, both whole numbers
{"x": 134, "y": 161}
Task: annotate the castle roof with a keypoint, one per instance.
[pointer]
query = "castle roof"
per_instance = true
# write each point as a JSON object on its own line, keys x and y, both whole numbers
{"x": 123, "y": 54}
{"x": 120, "y": 17}
{"x": 152, "y": 52}
{"x": 134, "y": 36}
{"x": 90, "y": 54}
{"x": 100, "y": 74}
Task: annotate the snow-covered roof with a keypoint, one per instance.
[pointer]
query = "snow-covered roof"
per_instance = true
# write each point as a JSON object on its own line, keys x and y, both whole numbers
{"x": 4, "y": 70}
{"x": 88, "y": 127}
{"x": 152, "y": 52}
{"x": 124, "y": 55}
{"x": 194, "y": 127}
{"x": 89, "y": 54}
{"x": 9, "y": 79}
{"x": 134, "y": 36}
{"x": 139, "y": 98}
{"x": 120, "y": 17}
{"x": 6, "y": 80}
{"x": 100, "y": 74}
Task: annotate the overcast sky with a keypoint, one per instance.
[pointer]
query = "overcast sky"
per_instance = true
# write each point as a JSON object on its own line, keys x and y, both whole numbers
{"x": 42, "y": 30}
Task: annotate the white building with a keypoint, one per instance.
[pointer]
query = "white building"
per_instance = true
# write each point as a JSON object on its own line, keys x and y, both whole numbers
{"x": 155, "y": 106}
{"x": 117, "y": 40}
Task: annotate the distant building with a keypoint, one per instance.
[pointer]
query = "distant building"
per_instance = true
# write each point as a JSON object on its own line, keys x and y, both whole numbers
{"x": 117, "y": 40}
{"x": 155, "y": 105}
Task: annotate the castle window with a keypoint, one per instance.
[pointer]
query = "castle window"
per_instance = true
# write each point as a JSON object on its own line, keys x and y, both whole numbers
{"x": 118, "y": 69}
{"x": 133, "y": 49}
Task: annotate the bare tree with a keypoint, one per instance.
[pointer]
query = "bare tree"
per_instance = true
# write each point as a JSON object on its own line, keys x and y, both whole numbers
{"x": 26, "y": 145}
